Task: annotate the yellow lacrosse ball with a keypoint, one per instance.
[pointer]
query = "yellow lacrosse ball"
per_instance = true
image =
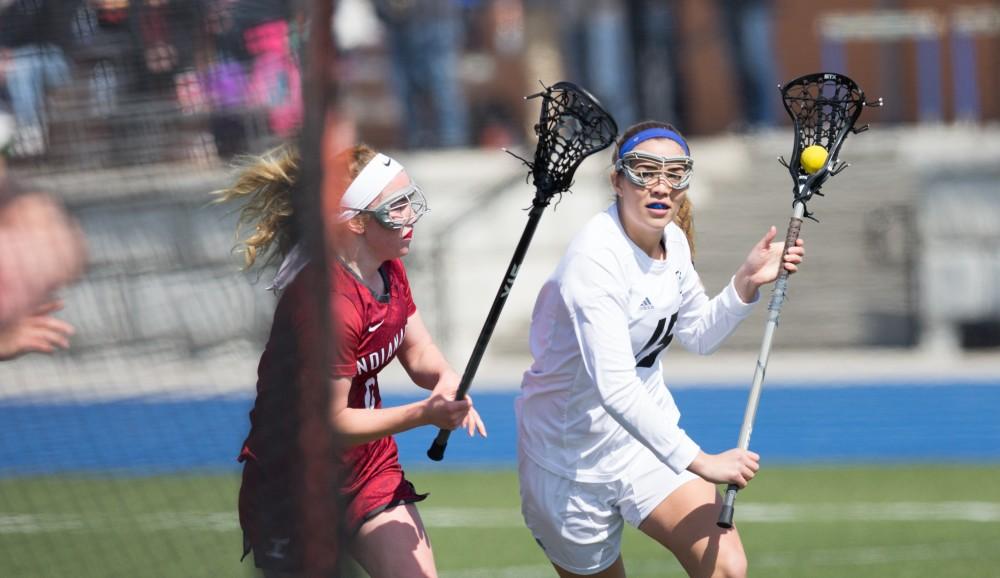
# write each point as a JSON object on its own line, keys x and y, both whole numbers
{"x": 813, "y": 158}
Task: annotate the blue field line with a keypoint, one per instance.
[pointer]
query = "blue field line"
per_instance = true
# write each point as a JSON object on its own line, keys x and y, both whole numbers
{"x": 834, "y": 423}
{"x": 830, "y": 424}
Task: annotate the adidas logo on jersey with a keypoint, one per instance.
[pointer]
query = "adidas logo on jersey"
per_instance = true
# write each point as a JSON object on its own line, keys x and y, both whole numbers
{"x": 646, "y": 305}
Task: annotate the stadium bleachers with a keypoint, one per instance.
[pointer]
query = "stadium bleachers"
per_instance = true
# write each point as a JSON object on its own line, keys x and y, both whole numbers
{"x": 164, "y": 241}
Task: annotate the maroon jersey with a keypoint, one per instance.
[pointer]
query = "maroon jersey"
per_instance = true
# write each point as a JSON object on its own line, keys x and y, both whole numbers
{"x": 368, "y": 331}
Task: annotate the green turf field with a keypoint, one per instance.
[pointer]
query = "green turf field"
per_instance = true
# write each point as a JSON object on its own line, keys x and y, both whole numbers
{"x": 836, "y": 521}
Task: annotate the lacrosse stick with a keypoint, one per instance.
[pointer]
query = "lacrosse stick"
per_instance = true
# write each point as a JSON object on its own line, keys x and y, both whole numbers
{"x": 572, "y": 126}
{"x": 823, "y": 107}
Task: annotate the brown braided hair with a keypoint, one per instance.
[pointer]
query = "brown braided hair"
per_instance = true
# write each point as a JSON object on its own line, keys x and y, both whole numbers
{"x": 685, "y": 213}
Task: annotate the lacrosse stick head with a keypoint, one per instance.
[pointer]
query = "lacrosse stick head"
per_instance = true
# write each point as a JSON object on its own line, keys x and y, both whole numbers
{"x": 571, "y": 127}
{"x": 824, "y": 107}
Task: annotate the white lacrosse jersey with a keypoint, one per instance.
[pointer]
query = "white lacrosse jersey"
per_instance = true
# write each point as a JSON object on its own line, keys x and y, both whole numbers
{"x": 595, "y": 396}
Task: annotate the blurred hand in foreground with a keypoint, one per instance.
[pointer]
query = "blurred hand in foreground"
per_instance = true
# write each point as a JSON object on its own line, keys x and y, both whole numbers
{"x": 36, "y": 332}
{"x": 43, "y": 251}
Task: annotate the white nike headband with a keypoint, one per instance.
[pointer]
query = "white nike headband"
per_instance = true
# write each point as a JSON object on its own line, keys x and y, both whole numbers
{"x": 378, "y": 173}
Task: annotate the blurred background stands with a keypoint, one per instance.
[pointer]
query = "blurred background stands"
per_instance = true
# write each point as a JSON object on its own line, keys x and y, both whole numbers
{"x": 160, "y": 95}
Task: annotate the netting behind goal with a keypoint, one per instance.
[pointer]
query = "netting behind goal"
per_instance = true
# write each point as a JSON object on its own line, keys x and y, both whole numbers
{"x": 118, "y": 456}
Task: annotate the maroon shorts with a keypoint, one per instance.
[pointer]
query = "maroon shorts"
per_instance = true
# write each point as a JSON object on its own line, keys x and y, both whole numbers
{"x": 268, "y": 513}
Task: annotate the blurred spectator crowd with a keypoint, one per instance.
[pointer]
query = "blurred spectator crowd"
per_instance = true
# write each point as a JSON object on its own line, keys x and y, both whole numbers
{"x": 74, "y": 73}
{"x": 102, "y": 59}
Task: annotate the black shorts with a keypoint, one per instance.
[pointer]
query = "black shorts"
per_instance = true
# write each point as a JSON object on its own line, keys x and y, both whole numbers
{"x": 268, "y": 516}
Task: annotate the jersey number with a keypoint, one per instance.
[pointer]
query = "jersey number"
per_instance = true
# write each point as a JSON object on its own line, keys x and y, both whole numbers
{"x": 656, "y": 344}
{"x": 370, "y": 393}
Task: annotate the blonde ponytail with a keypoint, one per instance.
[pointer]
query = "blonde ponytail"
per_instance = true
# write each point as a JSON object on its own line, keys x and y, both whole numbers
{"x": 265, "y": 184}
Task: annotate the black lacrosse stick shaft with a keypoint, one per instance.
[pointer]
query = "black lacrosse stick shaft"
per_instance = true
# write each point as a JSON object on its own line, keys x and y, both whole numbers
{"x": 572, "y": 126}
{"x": 436, "y": 451}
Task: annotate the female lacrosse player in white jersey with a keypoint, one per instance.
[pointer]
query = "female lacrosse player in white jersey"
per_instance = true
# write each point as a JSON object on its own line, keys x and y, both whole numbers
{"x": 599, "y": 441}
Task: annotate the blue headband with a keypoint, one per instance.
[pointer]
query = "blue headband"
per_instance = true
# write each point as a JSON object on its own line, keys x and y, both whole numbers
{"x": 651, "y": 133}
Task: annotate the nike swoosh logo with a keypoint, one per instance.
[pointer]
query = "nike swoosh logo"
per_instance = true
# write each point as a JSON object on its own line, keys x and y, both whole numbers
{"x": 372, "y": 328}
{"x": 388, "y": 162}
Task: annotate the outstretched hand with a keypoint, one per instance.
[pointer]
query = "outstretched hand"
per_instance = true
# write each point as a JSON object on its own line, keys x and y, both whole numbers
{"x": 761, "y": 265}
{"x": 37, "y": 331}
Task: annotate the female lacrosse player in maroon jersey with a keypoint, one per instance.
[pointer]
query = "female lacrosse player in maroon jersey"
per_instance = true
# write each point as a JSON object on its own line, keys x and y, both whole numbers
{"x": 374, "y": 321}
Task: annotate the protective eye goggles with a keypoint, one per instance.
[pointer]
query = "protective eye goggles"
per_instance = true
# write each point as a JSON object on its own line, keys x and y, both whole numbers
{"x": 646, "y": 169}
{"x": 402, "y": 209}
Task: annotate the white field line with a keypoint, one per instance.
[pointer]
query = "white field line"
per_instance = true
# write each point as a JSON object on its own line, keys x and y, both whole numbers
{"x": 983, "y": 512}
{"x": 760, "y": 513}
{"x": 871, "y": 555}
{"x": 149, "y": 522}
{"x": 870, "y": 512}
{"x": 532, "y": 571}
{"x": 858, "y": 556}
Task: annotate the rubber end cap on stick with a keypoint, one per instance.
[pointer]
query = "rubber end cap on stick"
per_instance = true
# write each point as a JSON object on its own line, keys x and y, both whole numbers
{"x": 436, "y": 451}
{"x": 726, "y": 517}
